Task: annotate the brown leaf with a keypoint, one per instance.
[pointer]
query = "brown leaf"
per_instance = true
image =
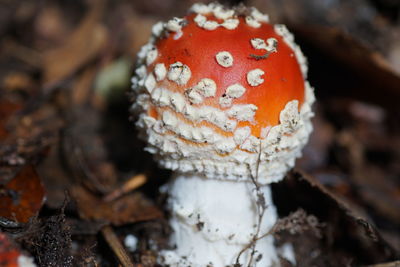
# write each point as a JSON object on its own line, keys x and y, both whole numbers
{"x": 82, "y": 46}
{"x": 130, "y": 208}
{"x": 7, "y": 108}
{"x": 22, "y": 197}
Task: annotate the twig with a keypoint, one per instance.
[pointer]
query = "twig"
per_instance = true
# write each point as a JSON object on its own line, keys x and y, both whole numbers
{"x": 116, "y": 246}
{"x": 257, "y": 57}
{"x": 386, "y": 264}
{"x": 261, "y": 207}
{"x": 133, "y": 183}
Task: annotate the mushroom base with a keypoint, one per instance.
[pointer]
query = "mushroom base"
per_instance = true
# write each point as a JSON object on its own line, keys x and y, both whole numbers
{"x": 214, "y": 220}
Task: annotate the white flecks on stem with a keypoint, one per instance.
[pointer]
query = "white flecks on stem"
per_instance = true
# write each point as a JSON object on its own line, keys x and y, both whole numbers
{"x": 224, "y": 58}
{"x": 222, "y": 224}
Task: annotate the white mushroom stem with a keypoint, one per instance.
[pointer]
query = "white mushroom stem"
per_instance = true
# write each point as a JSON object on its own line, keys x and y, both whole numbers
{"x": 214, "y": 220}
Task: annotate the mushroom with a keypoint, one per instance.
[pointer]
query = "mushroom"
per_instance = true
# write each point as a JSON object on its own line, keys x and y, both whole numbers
{"x": 223, "y": 101}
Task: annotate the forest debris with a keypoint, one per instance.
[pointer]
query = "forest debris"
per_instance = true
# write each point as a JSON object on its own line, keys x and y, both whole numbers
{"x": 86, "y": 153}
{"x": 52, "y": 243}
{"x": 82, "y": 86}
{"x": 51, "y": 23}
{"x": 299, "y": 222}
{"x": 22, "y": 197}
{"x": 10, "y": 255}
{"x": 28, "y": 133}
{"x": 130, "y": 185}
{"x": 371, "y": 186}
{"x": 17, "y": 81}
{"x": 81, "y": 47}
{"x": 113, "y": 79}
{"x": 7, "y": 108}
{"x": 116, "y": 246}
{"x": 343, "y": 223}
{"x": 130, "y": 208}
{"x": 148, "y": 259}
{"x": 387, "y": 264}
{"x": 23, "y": 53}
{"x": 381, "y": 82}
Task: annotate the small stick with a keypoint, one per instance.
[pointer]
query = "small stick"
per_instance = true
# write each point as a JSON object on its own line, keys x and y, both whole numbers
{"x": 133, "y": 183}
{"x": 257, "y": 57}
{"x": 387, "y": 264}
{"x": 116, "y": 246}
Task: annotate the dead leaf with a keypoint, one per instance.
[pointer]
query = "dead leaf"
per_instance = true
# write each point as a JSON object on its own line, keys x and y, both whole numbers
{"x": 81, "y": 47}
{"x": 7, "y": 108}
{"x": 130, "y": 208}
{"x": 22, "y": 197}
{"x": 81, "y": 91}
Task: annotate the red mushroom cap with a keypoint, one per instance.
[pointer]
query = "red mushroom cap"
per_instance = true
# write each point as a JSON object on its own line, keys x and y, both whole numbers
{"x": 218, "y": 87}
{"x": 197, "y": 48}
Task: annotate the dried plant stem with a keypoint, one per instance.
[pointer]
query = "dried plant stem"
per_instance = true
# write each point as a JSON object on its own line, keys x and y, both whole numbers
{"x": 387, "y": 264}
{"x": 133, "y": 183}
{"x": 116, "y": 246}
{"x": 257, "y": 57}
{"x": 261, "y": 207}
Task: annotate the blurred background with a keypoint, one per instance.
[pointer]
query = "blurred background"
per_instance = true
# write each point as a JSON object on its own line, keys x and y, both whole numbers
{"x": 76, "y": 188}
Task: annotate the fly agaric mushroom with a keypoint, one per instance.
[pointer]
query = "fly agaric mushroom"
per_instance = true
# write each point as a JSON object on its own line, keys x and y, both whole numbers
{"x": 223, "y": 101}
